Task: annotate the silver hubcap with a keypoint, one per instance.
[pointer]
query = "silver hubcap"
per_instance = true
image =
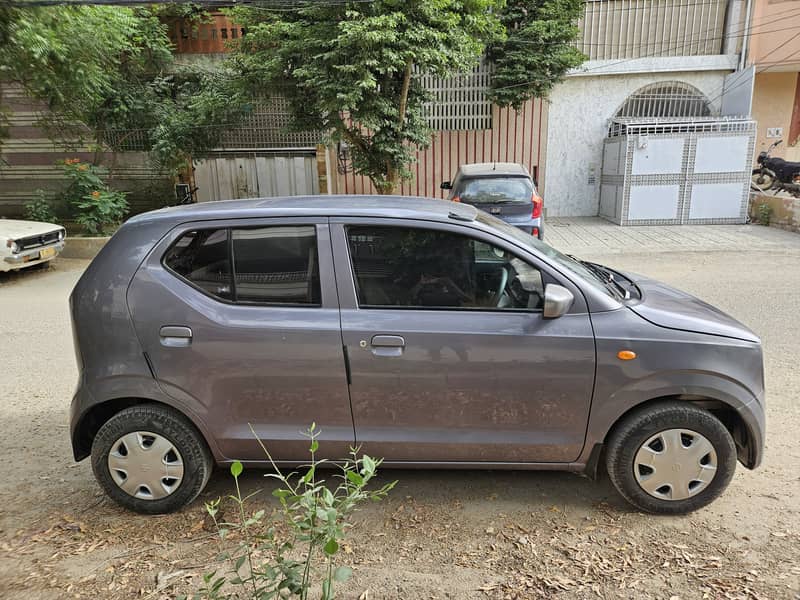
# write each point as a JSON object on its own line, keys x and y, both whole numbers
{"x": 675, "y": 464}
{"x": 145, "y": 465}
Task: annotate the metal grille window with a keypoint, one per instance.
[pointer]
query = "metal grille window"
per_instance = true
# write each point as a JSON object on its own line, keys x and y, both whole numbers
{"x": 666, "y": 99}
{"x": 460, "y": 101}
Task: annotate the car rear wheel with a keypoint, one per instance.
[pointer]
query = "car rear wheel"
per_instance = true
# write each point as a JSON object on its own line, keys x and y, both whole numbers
{"x": 670, "y": 458}
{"x": 151, "y": 459}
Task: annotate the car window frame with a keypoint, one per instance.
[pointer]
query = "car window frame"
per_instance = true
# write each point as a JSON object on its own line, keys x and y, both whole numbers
{"x": 348, "y": 296}
{"x": 322, "y": 232}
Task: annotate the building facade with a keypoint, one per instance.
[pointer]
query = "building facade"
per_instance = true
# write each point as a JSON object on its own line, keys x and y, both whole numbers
{"x": 659, "y": 59}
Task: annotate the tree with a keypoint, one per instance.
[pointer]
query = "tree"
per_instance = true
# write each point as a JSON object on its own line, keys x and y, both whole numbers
{"x": 107, "y": 73}
{"x": 537, "y": 51}
{"x": 350, "y": 69}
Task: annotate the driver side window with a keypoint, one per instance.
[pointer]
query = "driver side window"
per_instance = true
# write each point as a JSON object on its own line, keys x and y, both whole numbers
{"x": 403, "y": 267}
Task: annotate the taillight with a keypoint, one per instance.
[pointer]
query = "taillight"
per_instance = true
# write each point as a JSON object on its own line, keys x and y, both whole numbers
{"x": 537, "y": 202}
{"x": 456, "y": 198}
{"x": 535, "y": 231}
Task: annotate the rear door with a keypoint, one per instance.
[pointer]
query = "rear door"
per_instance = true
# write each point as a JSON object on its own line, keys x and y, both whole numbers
{"x": 445, "y": 368}
{"x": 240, "y": 321}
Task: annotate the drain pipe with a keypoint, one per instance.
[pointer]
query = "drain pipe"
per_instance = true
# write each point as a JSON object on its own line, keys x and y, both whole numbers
{"x": 745, "y": 37}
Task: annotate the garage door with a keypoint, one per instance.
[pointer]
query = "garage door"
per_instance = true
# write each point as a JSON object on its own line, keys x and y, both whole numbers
{"x": 255, "y": 175}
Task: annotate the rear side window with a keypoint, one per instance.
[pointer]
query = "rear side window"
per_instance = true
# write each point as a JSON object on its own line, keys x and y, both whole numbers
{"x": 276, "y": 265}
{"x": 202, "y": 258}
{"x": 265, "y": 265}
{"x": 491, "y": 190}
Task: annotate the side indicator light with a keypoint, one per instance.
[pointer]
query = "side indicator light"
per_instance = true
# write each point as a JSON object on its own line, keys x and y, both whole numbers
{"x": 626, "y": 355}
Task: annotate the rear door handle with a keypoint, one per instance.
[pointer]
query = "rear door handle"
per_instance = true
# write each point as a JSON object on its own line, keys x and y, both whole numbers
{"x": 387, "y": 345}
{"x": 175, "y": 336}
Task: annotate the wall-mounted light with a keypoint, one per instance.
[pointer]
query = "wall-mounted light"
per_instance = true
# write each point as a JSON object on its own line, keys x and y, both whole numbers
{"x": 344, "y": 163}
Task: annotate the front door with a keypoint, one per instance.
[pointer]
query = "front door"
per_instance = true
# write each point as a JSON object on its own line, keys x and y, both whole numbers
{"x": 241, "y": 323}
{"x": 450, "y": 357}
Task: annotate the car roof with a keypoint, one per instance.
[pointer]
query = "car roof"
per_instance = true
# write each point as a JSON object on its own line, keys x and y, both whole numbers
{"x": 493, "y": 169}
{"x": 404, "y": 207}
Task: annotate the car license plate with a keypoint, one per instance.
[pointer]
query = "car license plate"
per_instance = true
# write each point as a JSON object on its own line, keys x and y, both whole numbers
{"x": 494, "y": 211}
{"x": 46, "y": 253}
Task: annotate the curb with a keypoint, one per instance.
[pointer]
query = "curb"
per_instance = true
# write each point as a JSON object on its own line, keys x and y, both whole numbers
{"x": 83, "y": 247}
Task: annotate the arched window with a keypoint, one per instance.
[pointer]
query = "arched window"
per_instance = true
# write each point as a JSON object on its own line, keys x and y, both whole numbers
{"x": 665, "y": 99}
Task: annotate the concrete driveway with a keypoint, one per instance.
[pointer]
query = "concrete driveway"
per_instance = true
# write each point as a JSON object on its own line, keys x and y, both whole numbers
{"x": 441, "y": 534}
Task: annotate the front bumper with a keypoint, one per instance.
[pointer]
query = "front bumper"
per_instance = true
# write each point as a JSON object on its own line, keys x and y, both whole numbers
{"x": 28, "y": 258}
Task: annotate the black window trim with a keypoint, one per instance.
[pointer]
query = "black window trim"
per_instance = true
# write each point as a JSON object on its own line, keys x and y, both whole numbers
{"x": 233, "y": 301}
{"x": 421, "y": 225}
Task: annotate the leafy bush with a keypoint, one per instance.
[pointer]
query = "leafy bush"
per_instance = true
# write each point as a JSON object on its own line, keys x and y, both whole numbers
{"x": 40, "y": 209}
{"x": 317, "y": 519}
{"x": 97, "y": 207}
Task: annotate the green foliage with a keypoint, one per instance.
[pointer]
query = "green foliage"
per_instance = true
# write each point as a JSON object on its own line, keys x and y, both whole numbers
{"x": 97, "y": 207}
{"x": 349, "y": 69}
{"x": 764, "y": 213}
{"x": 264, "y": 564}
{"x": 106, "y": 70}
{"x": 537, "y": 51}
{"x": 40, "y": 209}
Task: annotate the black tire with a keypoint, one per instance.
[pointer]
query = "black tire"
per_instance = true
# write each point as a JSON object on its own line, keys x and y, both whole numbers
{"x": 177, "y": 429}
{"x": 631, "y": 433}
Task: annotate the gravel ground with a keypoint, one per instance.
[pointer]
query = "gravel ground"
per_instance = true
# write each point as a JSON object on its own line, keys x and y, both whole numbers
{"x": 440, "y": 534}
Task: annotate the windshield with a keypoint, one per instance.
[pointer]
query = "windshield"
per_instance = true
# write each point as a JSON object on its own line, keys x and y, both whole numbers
{"x": 562, "y": 260}
{"x": 491, "y": 190}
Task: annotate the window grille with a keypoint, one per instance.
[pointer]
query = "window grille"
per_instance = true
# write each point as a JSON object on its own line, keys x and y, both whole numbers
{"x": 666, "y": 99}
{"x": 460, "y": 101}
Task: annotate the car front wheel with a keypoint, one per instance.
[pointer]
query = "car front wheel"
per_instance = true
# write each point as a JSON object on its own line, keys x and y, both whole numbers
{"x": 670, "y": 458}
{"x": 151, "y": 459}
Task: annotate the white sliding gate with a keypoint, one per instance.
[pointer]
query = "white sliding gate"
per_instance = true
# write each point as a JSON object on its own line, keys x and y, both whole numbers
{"x": 231, "y": 175}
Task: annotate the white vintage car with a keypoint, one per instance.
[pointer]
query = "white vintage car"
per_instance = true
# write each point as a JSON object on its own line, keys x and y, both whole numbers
{"x": 28, "y": 243}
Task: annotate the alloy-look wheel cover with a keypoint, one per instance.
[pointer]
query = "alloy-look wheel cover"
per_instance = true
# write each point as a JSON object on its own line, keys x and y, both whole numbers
{"x": 675, "y": 464}
{"x": 145, "y": 465}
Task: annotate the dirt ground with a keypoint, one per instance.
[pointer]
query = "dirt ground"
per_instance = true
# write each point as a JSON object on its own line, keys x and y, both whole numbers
{"x": 440, "y": 534}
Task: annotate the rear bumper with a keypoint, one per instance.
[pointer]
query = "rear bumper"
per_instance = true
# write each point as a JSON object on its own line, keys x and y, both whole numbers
{"x": 528, "y": 225}
{"x": 29, "y": 258}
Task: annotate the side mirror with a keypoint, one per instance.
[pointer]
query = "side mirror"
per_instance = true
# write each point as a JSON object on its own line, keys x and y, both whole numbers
{"x": 557, "y": 301}
{"x": 445, "y": 185}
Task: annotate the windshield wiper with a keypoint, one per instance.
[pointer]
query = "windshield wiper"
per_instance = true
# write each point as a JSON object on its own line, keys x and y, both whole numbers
{"x": 605, "y": 276}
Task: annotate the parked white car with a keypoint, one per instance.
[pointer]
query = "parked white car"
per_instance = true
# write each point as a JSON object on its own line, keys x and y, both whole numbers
{"x": 28, "y": 243}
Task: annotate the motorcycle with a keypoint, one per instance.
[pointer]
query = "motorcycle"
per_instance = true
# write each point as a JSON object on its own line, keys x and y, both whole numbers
{"x": 775, "y": 173}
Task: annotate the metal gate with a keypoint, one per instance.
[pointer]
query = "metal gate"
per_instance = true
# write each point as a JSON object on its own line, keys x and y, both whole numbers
{"x": 231, "y": 175}
{"x": 674, "y": 171}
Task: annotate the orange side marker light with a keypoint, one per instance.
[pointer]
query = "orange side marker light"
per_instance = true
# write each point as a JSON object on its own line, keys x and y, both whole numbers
{"x": 626, "y": 355}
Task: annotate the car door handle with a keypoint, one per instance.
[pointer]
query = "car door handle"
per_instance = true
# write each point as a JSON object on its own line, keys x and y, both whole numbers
{"x": 175, "y": 336}
{"x": 387, "y": 345}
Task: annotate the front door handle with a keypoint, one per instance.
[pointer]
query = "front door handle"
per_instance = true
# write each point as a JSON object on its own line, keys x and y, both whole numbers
{"x": 175, "y": 336}
{"x": 387, "y": 345}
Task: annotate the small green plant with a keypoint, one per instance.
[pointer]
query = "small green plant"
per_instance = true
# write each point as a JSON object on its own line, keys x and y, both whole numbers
{"x": 40, "y": 209}
{"x": 764, "y": 213}
{"x": 267, "y": 565}
{"x": 97, "y": 207}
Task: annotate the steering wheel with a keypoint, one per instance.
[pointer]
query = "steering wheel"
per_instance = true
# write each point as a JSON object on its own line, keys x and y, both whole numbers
{"x": 501, "y": 289}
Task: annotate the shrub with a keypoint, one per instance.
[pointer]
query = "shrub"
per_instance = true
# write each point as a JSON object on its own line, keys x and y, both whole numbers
{"x": 317, "y": 518}
{"x": 97, "y": 207}
{"x": 40, "y": 209}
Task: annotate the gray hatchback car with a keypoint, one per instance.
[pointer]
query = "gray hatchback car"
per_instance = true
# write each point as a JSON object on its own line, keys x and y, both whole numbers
{"x": 426, "y": 332}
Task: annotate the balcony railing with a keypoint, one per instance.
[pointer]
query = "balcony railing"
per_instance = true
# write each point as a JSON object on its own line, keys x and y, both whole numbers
{"x": 622, "y": 29}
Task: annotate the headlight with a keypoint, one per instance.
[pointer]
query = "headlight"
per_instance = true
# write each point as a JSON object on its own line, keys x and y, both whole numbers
{"x": 61, "y": 234}
{"x": 13, "y": 245}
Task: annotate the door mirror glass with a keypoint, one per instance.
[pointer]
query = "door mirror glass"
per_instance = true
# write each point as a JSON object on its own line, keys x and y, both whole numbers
{"x": 445, "y": 185}
{"x": 557, "y": 301}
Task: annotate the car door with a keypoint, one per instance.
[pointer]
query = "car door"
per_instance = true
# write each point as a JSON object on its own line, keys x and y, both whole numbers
{"x": 443, "y": 368}
{"x": 240, "y": 322}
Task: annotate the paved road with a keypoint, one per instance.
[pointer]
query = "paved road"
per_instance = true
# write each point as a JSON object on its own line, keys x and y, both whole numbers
{"x": 441, "y": 534}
